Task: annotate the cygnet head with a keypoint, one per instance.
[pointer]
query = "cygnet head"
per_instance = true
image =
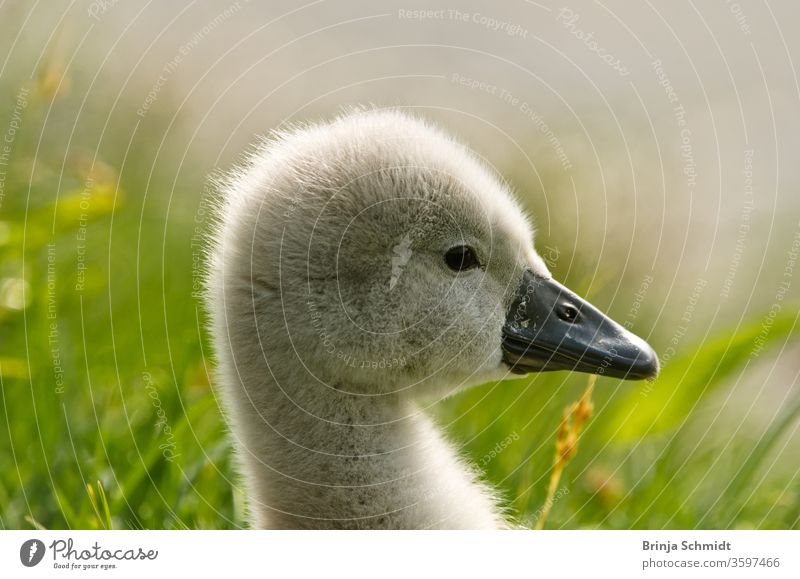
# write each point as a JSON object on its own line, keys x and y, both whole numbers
{"x": 374, "y": 255}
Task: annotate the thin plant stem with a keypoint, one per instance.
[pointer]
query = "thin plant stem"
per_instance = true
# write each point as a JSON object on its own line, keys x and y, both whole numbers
{"x": 572, "y": 422}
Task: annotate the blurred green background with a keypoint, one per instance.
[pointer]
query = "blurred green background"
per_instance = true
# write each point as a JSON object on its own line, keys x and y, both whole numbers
{"x": 112, "y": 117}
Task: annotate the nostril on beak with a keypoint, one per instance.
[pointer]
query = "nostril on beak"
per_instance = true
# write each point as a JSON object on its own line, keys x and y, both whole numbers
{"x": 568, "y": 313}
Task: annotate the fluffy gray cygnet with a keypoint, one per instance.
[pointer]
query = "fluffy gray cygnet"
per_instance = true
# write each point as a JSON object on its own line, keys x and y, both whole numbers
{"x": 358, "y": 268}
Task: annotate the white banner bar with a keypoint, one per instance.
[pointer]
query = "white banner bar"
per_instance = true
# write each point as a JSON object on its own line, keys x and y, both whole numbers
{"x": 403, "y": 554}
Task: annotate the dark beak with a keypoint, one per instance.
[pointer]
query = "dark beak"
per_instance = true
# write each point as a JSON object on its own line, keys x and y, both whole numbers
{"x": 550, "y": 328}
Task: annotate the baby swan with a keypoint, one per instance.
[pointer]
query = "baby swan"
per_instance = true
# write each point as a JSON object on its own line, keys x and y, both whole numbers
{"x": 358, "y": 267}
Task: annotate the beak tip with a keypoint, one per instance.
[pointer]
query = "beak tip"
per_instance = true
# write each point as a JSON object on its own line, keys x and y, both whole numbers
{"x": 647, "y": 366}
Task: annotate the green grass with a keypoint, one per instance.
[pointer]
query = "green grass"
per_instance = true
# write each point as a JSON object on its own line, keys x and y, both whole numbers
{"x": 134, "y": 437}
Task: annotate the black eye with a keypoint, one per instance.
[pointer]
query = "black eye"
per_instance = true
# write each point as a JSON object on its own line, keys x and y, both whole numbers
{"x": 460, "y": 258}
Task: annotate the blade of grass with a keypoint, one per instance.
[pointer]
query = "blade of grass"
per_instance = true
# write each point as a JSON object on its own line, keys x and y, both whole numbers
{"x": 692, "y": 376}
{"x": 34, "y": 523}
{"x": 730, "y": 502}
{"x": 104, "y": 504}
{"x": 99, "y": 503}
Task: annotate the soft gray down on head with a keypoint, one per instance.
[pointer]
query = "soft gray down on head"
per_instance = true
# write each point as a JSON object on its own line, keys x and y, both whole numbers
{"x": 340, "y": 294}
